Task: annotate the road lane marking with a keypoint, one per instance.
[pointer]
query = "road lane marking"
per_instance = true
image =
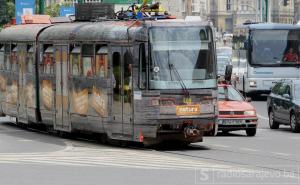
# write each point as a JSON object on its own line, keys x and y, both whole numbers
{"x": 218, "y": 145}
{"x": 25, "y": 140}
{"x": 262, "y": 117}
{"x": 249, "y": 149}
{"x": 282, "y": 154}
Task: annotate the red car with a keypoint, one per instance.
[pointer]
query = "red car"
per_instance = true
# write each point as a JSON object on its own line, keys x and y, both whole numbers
{"x": 235, "y": 112}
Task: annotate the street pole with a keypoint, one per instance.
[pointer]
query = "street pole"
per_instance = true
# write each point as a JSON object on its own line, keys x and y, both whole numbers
{"x": 41, "y": 6}
{"x": 267, "y": 10}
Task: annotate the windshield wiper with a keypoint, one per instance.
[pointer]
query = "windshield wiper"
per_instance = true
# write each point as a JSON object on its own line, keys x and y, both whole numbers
{"x": 181, "y": 82}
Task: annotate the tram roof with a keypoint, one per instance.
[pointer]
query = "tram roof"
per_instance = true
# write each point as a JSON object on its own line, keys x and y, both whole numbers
{"x": 271, "y": 26}
{"x": 21, "y": 33}
{"x": 108, "y": 30}
{"x": 93, "y": 31}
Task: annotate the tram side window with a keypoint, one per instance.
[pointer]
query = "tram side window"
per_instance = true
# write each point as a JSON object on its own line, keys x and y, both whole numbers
{"x": 13, "y": 58}
{"x": 88, "y": 59}
{"x": 117, "y": 76}
{"x": 127, "y": 77}
{"x": 48, "y": 66}
{"x": 30, "y": 59}
{"x": 75, "y": 59}
{"x": 1, "y": 57}
{"x": 142, "y": 67}
{"x": 7, "y": 50}
{"x": 101, "y": 61}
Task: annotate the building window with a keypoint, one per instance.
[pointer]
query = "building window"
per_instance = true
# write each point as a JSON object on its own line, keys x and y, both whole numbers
{"x": 195, "y": 5}
{"x": 183, "y": 5}
{"x": 228, "y": 5}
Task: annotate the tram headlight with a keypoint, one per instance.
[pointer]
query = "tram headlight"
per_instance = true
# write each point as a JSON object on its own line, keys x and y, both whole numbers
{"x": 252, "y": 84}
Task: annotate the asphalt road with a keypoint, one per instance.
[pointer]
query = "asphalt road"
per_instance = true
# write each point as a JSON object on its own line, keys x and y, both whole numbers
{"x": 33, "y": 158}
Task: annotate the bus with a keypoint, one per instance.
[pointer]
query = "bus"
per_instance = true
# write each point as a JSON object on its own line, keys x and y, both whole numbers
{"x": 144, "y": 81}
{"x": 266, "y": 53}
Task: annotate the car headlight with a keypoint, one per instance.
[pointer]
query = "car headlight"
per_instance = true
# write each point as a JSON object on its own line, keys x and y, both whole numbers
{"x": 252, "y": 84}
{"x": 250, "y": 113}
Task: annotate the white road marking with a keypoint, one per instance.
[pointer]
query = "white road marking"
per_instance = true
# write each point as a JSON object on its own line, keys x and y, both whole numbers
{"x": 249, "y": 149}
{"x": 25, "y": 140}
{"x": 282, "y": 154}
{"x": 218, "y": 145}
{"x": 262, "y": 117}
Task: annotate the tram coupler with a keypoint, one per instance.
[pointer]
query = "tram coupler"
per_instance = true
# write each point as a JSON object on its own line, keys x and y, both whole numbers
{"x": 190, "y": 131}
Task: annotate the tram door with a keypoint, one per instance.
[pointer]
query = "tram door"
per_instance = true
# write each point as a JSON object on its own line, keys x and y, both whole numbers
{"x": 62, "y": 91}
{"x": 22, "y": 63}
{"x": 122, "y": 94}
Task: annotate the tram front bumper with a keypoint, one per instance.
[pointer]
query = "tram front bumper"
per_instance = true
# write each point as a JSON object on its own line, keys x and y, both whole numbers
{"x": 185, "y": 129}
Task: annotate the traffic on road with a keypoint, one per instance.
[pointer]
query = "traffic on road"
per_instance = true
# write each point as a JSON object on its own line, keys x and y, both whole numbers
{"x": 137, "y": 96}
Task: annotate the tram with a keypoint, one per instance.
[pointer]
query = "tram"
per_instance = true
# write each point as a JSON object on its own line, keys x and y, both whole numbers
{"x": 145, "y": 81}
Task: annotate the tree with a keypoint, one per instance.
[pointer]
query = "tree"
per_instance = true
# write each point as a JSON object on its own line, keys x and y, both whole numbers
{"x": 10, "y": 10}
{"x": 52, "y": 10}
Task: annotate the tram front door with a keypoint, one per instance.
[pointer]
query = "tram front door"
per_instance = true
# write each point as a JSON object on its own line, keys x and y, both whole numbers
{"x": 22, "y": 113}
{"x": 122, "y": 94}
{"x": 62, "y": 121}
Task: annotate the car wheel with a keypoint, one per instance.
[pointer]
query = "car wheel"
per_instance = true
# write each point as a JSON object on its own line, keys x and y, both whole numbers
{"x": 251, "y": 131}
{"x": 272, "y": 123}
{"x": 294, "y": 125}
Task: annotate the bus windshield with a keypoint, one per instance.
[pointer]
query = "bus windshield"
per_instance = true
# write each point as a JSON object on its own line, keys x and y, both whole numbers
{"x": 181, "y": 55}
{"x": 275, "y": 47}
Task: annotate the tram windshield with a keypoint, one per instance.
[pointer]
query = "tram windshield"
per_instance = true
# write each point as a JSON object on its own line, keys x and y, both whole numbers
{"x": 181, "y": 55}
{"x": 275, "y": 47}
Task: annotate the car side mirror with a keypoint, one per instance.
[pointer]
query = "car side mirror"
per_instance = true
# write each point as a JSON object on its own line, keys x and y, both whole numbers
{"x": 286, "y": 96}
{"x": 248, "y": 99}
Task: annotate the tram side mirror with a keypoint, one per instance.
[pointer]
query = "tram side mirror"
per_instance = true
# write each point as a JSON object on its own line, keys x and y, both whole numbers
{"x": 228, "y": 73}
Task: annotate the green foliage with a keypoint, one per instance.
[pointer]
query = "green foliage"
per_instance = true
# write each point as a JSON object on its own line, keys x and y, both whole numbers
{"x": 10, "y": 10}
{"x": 52, "y": 10}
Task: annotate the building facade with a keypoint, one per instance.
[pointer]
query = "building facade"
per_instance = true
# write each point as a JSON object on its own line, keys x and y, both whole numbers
{"x": 281, "y": 13}
{"x": 226, "y": 14}
{"x": 183, "y": 8}
{"x": 297, "y": 10}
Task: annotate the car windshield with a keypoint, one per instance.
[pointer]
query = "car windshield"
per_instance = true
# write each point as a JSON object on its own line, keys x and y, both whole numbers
{"x": 181, "y": 55}
{"x": 228, "y": 93}
{"x": 275, "y": 47}
{"x": 296, "y": 92}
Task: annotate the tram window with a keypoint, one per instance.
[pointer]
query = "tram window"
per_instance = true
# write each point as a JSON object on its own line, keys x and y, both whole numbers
{"x": 127, "y": 77}
{"x": 75, "y": 59}
{"x": 87, "y": 59}
{"x": 142, "y": 67}
{"x": 117, "y": 76}
{"x": 48, "y": 67}
{"x": 13, "y": 58}
{"x": 30, "y": 59}
{"x": 1, "y": 57}
{"x": 101, "y": 62}
{"x": 7, "y": 50}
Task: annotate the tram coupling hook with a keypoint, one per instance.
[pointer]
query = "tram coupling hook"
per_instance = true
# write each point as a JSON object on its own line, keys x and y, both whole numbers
{"x": 190, "y": 131}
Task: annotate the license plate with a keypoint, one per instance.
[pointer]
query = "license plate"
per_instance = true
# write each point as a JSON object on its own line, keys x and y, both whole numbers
{"x": 231, "y": 122}
{"x": 187, "y": 110}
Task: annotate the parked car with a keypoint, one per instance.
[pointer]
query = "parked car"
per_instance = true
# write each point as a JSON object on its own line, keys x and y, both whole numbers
{"x": 235, "y": 112}
{"x": 284, "y": 105}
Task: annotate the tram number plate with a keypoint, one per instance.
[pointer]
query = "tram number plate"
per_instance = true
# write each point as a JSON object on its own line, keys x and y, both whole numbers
{"x": 187, "y": 110}
{"x": 231, "y": 122}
